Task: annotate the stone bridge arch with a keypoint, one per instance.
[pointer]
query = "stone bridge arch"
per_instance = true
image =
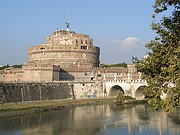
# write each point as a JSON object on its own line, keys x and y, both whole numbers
{"x": 114, "y": 90}
{"x": 128, "y": 88}
{"x": 139, "y": 92}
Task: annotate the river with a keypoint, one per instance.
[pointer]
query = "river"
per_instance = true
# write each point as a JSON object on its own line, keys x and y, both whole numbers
{"x": 106, "y": 119}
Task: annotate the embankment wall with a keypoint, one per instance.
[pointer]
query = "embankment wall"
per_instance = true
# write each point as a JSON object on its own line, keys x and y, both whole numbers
{"x": 20, "y": 92}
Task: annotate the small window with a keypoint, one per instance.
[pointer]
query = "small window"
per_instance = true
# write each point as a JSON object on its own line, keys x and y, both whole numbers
{"x": 84, "y": 47}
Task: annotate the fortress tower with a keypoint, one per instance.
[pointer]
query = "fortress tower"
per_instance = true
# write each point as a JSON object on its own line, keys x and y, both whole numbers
{"x": 62, "y": 49}
{"x": 65, "y": 48}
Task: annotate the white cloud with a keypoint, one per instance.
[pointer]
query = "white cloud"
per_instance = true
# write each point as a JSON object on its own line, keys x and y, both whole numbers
{"x": 129, "y": 43}
{"x": 125, "y": 45}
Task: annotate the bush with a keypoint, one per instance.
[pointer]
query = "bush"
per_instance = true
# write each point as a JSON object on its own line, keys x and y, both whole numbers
{"x": 128, "y": 98}
{"x": 120, "y": 97}
{"x": 156, "y": 103}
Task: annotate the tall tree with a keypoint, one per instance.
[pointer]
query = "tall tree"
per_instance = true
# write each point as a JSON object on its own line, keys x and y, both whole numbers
{"x": 161, "y": 66}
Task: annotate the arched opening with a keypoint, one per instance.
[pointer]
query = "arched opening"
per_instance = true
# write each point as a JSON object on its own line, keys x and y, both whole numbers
{"x": 139, "y": 94}
{"x": 115, "y": 90}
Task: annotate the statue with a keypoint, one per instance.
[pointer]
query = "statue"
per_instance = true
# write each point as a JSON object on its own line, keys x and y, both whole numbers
{"x": 67, "y": 25}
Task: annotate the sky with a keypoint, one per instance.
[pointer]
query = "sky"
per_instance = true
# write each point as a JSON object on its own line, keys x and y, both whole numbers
{"x": 121, "y": 28}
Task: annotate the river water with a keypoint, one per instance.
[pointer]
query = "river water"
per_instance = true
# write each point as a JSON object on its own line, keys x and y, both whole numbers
{"x": 106, "y": 119}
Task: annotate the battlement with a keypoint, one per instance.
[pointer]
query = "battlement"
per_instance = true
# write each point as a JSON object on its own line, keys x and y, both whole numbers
{"x": 63, "y": 32}
{"x": 97, "y": 69}
{"x": 63, "y": 37}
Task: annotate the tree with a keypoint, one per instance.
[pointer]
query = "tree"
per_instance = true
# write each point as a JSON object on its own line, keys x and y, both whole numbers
{"x": 120, "y": 98}
{"x": 161, "y": 67}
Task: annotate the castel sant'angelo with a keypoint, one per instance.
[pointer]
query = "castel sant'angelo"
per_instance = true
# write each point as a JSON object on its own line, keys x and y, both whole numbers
{"x": 65, "y": 56}
{"x": 67, "y": 63}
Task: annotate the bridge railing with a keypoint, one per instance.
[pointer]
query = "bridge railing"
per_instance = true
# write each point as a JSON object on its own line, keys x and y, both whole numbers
{"x": 127, "y": 81}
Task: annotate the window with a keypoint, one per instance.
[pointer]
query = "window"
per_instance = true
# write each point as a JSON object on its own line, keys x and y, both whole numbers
{"x": 84, "y": 47}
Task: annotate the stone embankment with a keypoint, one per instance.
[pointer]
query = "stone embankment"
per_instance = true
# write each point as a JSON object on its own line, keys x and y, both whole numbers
{"x": 22, "y": 92}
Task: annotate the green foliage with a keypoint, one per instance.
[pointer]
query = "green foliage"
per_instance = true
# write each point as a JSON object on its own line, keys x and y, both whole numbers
{"x": 120, "y": 97}
{"x": 114, "y": 65}
{"x": 161, "y": 67}
{"x": 128, "y": 98}
{"x": 3, "y": 67}
{"x": 162, "y": 5}
{"x": 15, "y": 66}
{"x": 156, "y": 103}
{"x": 119, "y": 65}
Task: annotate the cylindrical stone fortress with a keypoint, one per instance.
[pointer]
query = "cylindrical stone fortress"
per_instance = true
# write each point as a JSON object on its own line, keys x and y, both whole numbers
{"x": 67, "y": 49}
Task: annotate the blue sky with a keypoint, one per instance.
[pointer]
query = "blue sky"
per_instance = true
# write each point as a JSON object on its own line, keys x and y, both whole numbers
{"x": 121, "y": 28}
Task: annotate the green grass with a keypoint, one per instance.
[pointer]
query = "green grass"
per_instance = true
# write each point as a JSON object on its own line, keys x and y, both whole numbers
{"x": 22, "y": 108}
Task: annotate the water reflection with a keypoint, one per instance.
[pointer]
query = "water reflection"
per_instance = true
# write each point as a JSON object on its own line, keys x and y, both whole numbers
{"x": 95, "y": 120}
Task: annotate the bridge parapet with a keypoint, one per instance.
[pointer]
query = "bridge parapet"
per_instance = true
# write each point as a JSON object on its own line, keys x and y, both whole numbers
{"x": 131, "y": 81}
{"x": 115, "y": 81}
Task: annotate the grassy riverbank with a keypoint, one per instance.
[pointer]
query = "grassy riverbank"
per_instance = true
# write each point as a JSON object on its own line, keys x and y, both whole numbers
{"x": 24, "y": 108}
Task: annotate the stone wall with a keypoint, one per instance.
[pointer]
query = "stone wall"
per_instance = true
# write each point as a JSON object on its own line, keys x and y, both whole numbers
{"x": 88, "y": 89}
{"x": 39, "y": 73}
{"x": 20, "y": 92}
{"x": 66, "y": 56}
{"x": 98, "y": 73}
{"x": 11, "y": 74}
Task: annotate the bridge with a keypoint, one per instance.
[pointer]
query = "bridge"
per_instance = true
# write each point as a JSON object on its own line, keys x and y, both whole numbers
{"x": 109, "y": 88}
{"x": 131, "y": 88}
